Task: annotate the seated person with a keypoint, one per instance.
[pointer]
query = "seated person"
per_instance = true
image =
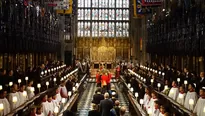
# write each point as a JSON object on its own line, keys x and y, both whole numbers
{"x": 94, "y": 111}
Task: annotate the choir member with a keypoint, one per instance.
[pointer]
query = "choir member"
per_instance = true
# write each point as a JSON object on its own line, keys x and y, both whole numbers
{"x": 181, "y": 96}
{"x": 200, "y": 105}
{"x": 152, "y": 100}
{"x": 33, "y": 111}
{"x": 147, "y": 97}
{"x": 22, "y": 94}
{"x": 39, "y": 111}
{"x": 29, "y": 89}
{"x": 174, "y": 91}
{"x": 55, "y": 100}
{"x": 162, "y": 111}
{"x": 58, "y": 95}
{"x": 48, "y": 106}
{"x": 166, "y": 88}
{"x": 156, "y": 110}
{"x": 14, "y": 94}
{"x": 5, "y": 102}
{"x": 191, "y": 94}
{"x": 63, "y": 90}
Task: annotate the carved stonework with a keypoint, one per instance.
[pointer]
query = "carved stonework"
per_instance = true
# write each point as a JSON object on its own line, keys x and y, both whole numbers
{"x": 105, "y": 49}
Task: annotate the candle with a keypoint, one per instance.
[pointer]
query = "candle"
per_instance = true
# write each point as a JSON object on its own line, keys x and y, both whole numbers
{"x": 63, "y": 100}
{"x": 32, "y": 89}
{"x": 1, "y": 106}
{"x": 76, "y": 84}
{"x": 39, "y": 85}
{"x": 47, "y": 83}
{"x": 26, "y": 78}
{"x": 73, "y": 88}
{"x": 1, "y": 87}
{"x": 159, "y": 72}
{"x": 136, "y": 94}
{"x": 159, "y": 85}
{"x": 149, "y": 111}
{"x": 14, "y": 99}
{"x": 10, "y": 84}
{"x": 54, "y": 79}
{"x": 191, "y": 102}
{"x": 144, "y": 80}
{"x": 69, "y": 93}
{"x": 141, "y": 101}
{"x": 45, "y": 71}
{"x": 42, "y": 73}
{"x": 178, "y": 79}
{"x": 181, "y": 96}
{"x": 56, "y": 110}
{"x": 113, "y": 93}
{"x": 19, "y": 81}
{"x": 131, "y": 89}
{"x": 185, "y": 82}
{"x": 24, "y": 93}
{"x": 152, "y": 80}
{"x": 171, "y": 91}
{"x": 204, "y": 109}
{"x": 163, "y": 74}
{"x": 129, "y": 85}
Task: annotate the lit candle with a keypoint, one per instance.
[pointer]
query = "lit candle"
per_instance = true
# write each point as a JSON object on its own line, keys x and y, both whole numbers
{"x": 39, "y": 85}
{"x": 42, "y": 73}
{"x": 73, "y": 88}
{"x": 171, "y": 91}
{"x": 166, "y": 87}
{"x": 45, "y": 71}
{"x": 49, "y": 70}
{"x": 191, "y": 102}
{"x": 14, "y": 99}
{"x": 163, "y": 74}
{"x": 69, "y": 93}
{"x": 113, "y": 93}
{"x": 63, "y": 100}
{"x": 76, "y": 84}
{"x": 1, "y": 87}
{"x": 159, "y": 72}
{"x": 24, "y": 93}
{"x": 141, "y": 101}
{"x": 26, "y": 78}
{"x": 10, "y": 84}
{"x": 32, "y": 89}
{"x": 181, "y": 96}
{"x": 56, "y": 110}
{"x": 144, "y": 80}
{"x": 19, "y": 81}
{"x": 128, "y": 85}
{"x": 149, "y": 111}
{"x": 54, "y": 79}
{"x": 1, "y": 106}
{"x": 152, "y": 80}
{"x": 64, "y": 77}
{"x": 52, "y": 70}
{"x": 131, "y": 89}
{"x": 61, "y": 79}
{"x": 178, "y": 79}
{"x": 47, "y": 83}
{"x": 136, "y": 94}
{"x": 204, "y": 109}
{"x": 159, "y": 85}
{"x": 185, "y": 82}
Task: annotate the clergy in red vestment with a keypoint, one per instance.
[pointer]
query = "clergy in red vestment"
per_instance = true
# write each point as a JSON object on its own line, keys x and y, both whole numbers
{"x": 108, "y": 80}
{"x": 117, "y": 74}
{"x": 104, "y": 81}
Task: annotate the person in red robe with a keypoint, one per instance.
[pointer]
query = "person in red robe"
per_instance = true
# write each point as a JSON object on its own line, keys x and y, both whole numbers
{"x": 104, "y": 78}
{"x": 98, "y": 79}
{"x": 117, "y": 74}
{"x": 108, "y": 80}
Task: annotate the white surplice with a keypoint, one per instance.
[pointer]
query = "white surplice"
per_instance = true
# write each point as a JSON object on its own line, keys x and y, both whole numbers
{"x": 200, "y": 107}
{"x": 155, "y": 112}
{"x": 173, "y": 93}
{"x": 190, "y": 95}
{"x": 6, "y": 105}
{"x": 181, "y": 98}
{"x": 12, "y": 104}
{"x": 23, "y": 99}
{"x": 151, "y": 104}
{"x": 48, "y": 107}
{"x": 29, "y": 92}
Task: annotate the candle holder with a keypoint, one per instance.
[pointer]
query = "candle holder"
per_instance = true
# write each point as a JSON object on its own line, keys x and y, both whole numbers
{"x": 47, "y": 84}
{"x": 69, "y": 94}
{"x": 26, "y": 78}
{"x": 54, "y": 80}
{"x": 158, "y": 85}
{"x": 136, "y": 95}
{"x": 39, "y": 87}
{"x": 19, "y": 81}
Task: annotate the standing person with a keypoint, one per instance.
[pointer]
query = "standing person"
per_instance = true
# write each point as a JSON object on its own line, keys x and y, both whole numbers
{"x": 200, "y": 105}
{"x": 104, "y": 82}
{"x": 106, "y": 105}
{"x": 94, "y": 111}
{"x": 5, "y": 102}
{"x": 174, "y": 91}
{"x": 13, "y": 94}
{"x": 98, "y": 78}
{"x": 108, "y": 80}
{"x": 117, "y": 71}
{"x": 98, "y": 96}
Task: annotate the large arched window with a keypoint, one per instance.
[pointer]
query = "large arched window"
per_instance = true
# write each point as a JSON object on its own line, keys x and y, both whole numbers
{"x": 108, "y": 18}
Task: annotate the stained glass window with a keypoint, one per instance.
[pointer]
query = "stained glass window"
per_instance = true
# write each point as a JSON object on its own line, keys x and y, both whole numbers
{"x": 108, "y": 18}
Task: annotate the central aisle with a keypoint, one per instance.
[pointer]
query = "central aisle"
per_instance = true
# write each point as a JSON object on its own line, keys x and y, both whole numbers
{"x": 86, "y": 99}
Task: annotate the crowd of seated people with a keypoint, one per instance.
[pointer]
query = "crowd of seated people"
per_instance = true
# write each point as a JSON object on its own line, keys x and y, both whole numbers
{"x": 183, "y": 87}
{"x": 106, "y": 103}
{"x": 15, "y": 90}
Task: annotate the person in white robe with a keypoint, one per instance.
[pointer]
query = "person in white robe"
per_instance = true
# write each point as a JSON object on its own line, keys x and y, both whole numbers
{"x": 147, "y": 97}
{"x": 174, "y": 91}
{"x": 181, "y": 96}
{"x": 39, "y": 111}
{"x": 58, "y": 95}
{"x": 162, "y": 111}
{"x": 191, "y": 95}
{"x": 48, "y": 105}
{"x": 55, "y": 101}
{"x": 5, "y": 102}
{"x": 152, "y": 100}
{"x": 14, "y": 97}
{"x": 22, "y": 95}
{"x": 156, "y": 109}
{"x": 199, "y": 109}
{"x": 29, "y": 91}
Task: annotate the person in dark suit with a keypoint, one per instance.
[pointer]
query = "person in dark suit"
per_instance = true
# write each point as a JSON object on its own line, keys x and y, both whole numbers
{"x": 200, "y": 82}
{"x": 68, "y": 113}
{"x": 106, "y": 105}
{"x": 94, "y": 111}
{"x": 97, "y": 97}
